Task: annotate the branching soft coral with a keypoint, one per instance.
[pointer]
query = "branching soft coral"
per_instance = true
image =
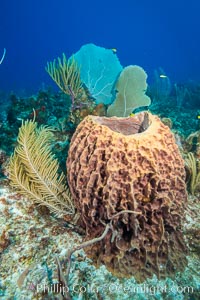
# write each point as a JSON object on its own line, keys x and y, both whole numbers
{"x": 34, "y": 173}
{"x": 194, "y": 167}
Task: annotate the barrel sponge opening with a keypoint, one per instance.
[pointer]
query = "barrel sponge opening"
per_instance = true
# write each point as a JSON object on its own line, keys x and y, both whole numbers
{"x": 133, "y": 163}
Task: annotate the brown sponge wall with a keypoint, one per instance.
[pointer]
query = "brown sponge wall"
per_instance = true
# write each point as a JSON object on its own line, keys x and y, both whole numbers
{"x": 133, "y": 163}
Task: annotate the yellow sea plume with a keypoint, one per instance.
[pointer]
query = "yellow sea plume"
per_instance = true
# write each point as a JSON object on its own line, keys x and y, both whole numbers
{"x": 33, "y": 170}
{"x": 194, "y": 168}
{"x": 66, "y": 74}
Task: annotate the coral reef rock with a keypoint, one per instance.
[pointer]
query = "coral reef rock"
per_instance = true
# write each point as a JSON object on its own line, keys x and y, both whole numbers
{"x": 118, "y": 164}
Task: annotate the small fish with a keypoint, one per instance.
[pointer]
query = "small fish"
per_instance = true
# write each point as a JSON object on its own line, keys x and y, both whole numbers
{"x": 132, "y": 115}
{"x": 114, "y": 50}
{"x": 163, "y": 76}
{"x": 198, "y": 117}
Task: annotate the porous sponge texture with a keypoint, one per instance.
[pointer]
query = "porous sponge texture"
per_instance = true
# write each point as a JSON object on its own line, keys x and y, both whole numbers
{"x": 133, "y": 163}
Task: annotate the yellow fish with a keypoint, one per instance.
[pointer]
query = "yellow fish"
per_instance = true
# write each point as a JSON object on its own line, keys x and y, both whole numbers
{"x": 132, "y": 115}
{"x": 198, "y": 117}
{"x": 114, "y": 50}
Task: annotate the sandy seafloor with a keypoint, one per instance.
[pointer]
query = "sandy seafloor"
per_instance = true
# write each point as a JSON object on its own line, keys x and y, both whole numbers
{"x": 31, "y": 240}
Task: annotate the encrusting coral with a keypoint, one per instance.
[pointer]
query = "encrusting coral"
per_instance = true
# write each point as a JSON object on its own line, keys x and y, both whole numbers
{"x": 117, "y": 164}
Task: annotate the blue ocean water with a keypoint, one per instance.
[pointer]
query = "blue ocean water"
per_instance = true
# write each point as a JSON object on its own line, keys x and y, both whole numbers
{"x": 151, "y": 34}
{"x": 163, "y": 38}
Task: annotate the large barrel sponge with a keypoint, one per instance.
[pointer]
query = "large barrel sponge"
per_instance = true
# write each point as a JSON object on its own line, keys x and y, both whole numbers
{"x": 133, "y": 163}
